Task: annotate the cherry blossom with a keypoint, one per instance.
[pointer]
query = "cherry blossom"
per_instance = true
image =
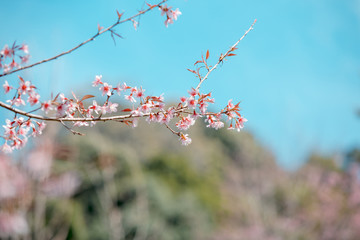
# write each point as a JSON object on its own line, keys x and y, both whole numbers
{"x": 76, "y": 111}
{"x": 46, "y": 106}
{"x": 33, "y": 99}
{"x": 7, "y": 52}
{"x": 24, "y": 48}
{"x": 94, "y": 107}
{"x": 185, "y": 139}
{"x": 106, "y": 89}
{"x": 7, "y": 87}
{"x": 97, "y": 80}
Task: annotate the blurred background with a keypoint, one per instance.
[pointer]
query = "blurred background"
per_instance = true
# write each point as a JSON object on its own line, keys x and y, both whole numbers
{"x": 292, "y": 174}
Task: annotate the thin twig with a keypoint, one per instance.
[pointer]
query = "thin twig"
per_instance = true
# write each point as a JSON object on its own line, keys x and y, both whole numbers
{"x": 87, "y": 41}
{"x": 71, "y": 130}
{"x": 171, "y": 130}
{"x": 223, "y": 56}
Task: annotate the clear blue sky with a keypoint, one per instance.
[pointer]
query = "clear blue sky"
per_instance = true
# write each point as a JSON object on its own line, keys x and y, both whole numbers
{"x": 297, "y": 74}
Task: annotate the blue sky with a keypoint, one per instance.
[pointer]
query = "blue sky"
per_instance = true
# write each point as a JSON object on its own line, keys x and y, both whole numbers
{"x": 297, "y": 73}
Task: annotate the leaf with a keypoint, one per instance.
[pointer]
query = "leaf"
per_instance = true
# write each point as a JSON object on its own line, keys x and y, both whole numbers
{"x": 99, "y": 27}
{"x": 21, "y": 79}
{"x": 207, "y": 54}
{"x": 192, "y": 71}
{"x": 56, "y": 97}
{"x": 198, "y": 62}
{"x": 74, "y": 95}
{"x": 119, "y": 14}
{"x": 151, "y": 6}
{"x": 231, "y": 54}
{"x": 127, "y": 110}
{"x": 86, "y": 97}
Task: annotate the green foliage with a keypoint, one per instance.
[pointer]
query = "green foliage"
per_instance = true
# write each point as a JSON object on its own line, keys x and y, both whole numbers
{"x": 141, "y": 184}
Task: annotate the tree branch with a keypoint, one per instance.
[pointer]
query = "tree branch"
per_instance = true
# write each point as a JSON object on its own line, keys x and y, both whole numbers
{"x": 87, "y": 41}
{"x": 222, "y": 57}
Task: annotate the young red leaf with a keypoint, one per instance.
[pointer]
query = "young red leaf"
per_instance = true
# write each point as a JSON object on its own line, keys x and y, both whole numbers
{"x": 151, "y": 6}
{"x": 21, "y": 79}
{"x": 86, "y": 97}
{"x": 192, "y": 71}
{"x": 198, "y": 62}
{"x": 207, "y": 54}
{"x": 231, "y": 54}
{"x": 56, "y": 97}
{"x": 119, "y": 14}
{"x": 127, "y": 110}
{"x": 99, "y": 27}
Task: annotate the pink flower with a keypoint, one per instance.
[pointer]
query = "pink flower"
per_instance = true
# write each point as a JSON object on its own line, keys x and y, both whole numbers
{"x": 125, "y": 86}
{"x": 136, "y": 113}
{"x": 175, "y": 14}
{"x": 17, "y": 101}
{"x": 81, "y": 124}
{"x": 6, "y": 148}
{"x": 25, "y": 48}
{"x": 7, "y": 52}
{"x": 118, "y": 89}
{"x": 164, "y": 9}
{"x": 195, "y": 115}
{"x": 230, "y": 105}
{"x": 192, "y": 102}
{"x": 97, "y": 80}
{"x": 135, "y": 122}
{"x": 46, "y": 106}
{"x": 63, "y": 98}
{"x": 139, "y": 93}
{"x": 61, "y": 109}
{"x": 106, "y": 89}
{"x": 146, "y": 108}
{"x": 104, "y": 109}
{"x": 22, "y": 131}
{"x": 193, "y": 92}
{"x": 203, "y": 107}
{"x": 25, "y": 58}
{"x": 240, "y": 123}
{"x": 33, "y": 99}
{"x": 41, "y": 127}
{"x": 112, "y": 107}
{"x": 7, "y": 87}
{"x": 185, "y": 123}
{"x": 25, "y": 86}
{"x": 151, "y": 118}
{"x": 185, "y": 140}
{"x": 13, "y": 64}
{"x": 135, "y": 24}
{"x": 130, "y": 98}
{"x": 94, "y": 107}
{"x": 168, "y": 21}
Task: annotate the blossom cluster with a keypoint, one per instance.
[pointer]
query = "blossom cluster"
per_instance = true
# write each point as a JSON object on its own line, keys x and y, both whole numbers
{"x": 17, "y": 130}
{"x": 79, "y": 113}
{"x": 171, "y": 15}
{"x": 13, "y": 57}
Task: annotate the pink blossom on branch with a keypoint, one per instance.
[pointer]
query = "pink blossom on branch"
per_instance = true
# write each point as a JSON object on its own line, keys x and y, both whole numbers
{"x": 7, "y": 87}
{"x": 78, "y": 112}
